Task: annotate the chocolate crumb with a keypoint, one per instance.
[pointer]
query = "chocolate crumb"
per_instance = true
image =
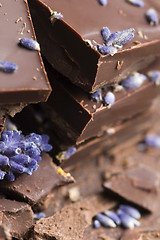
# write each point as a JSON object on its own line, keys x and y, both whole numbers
{"x": 119, "y": 65}
{"x": 0, "y": 4}
{"x": 34, "y": 78}
{"x": 19, "y": 20}
{"x": 137, "y": 42}
{"x": 28, "y": 30}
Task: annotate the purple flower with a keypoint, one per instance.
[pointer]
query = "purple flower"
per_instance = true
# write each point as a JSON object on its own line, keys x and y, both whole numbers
{"x": 109, "y": 99}
{"x": 104, "y": 50}
{"x": 105, "y": 220}
{"x": 96, "y": 224}
{"x": 96, "y": 96}
{"x": 152, "y": 140}
{"x": 105, "y": 33}
{"x": 112, "y": 37}
{"x": 64, "y": 155}
{"x": 8, "y": 67}
{"x": 124, "y": 37}
{"x": 127, "y": 221}
{"x": 152, "y": 16}
{"x": 103, "y": 2}
{"x": 133, "y": 212}
{"x": 134, "y": 81}
{"x": 29, "y": 43}
{"x": 137, "y": 3}
{"x": 154, "y": 77}
{"x": 113, "y": 216}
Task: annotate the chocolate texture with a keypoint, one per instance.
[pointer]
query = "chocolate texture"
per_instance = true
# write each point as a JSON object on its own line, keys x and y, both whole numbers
{"x": 29, "y": 83}
{"x": 64, "y": 40}
{"x": 16, "y": 218}
{"x": 32, "y": 189}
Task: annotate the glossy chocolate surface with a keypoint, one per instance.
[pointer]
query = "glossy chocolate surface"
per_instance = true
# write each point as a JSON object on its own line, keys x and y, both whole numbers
{"x": 29, "y": 83}
{"x": 63, "y": 41}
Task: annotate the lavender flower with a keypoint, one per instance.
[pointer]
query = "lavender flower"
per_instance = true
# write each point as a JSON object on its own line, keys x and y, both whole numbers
{"x": 133, "y": 212}
{"x": 8, "y": 67}
{"x": 105, "y": 221}
{"x": 20, "y": 154}
{"x": 96, "y": 224}
{"x": 96, "y": 96}
{"x": 56, "y": 15}
{"x": 104, "y": 50}
{"x": 152, "y": 16}
{"x": 113, "y": 216}
{"x": 134, "y": 81}
{"x": 127, "y": 221}
{"x": 105, "y": 33}
{"x": 137, "y": 3}
{"x": 154, "y": 77}
{"x": 39, "y": 215}
{"x": 103, "y": 2}
{"x": 64, "y": 155}
{"x": 109, "y": 99}
{"x": 152, "y": 140}
{"x": 29, "y": 43}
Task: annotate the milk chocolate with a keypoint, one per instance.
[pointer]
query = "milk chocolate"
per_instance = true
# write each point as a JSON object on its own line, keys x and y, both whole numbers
{"x": 34, "y": 188}
{"x": 29, "y": 84}
{"x": 16, "y": 217}
{"x": 64, "y": 41}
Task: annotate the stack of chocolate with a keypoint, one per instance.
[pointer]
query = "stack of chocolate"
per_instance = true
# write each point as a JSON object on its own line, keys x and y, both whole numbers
{"x": 102, "y": 60}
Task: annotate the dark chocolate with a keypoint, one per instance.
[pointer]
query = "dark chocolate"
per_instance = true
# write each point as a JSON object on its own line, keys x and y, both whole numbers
{"x": 32, "y": 189}
{"x": 29, "y": 84}
{"x": 16, "y": 217}
{"x": 63, "y": 40}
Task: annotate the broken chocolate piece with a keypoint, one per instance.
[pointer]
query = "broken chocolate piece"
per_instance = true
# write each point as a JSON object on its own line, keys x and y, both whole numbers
{"x": 29, "y": 84}
{"x": 71, "y": 47}
{"x": 138, "y": 185}
{"x": 16, "y": 217}
{"x": 34, "y": 188}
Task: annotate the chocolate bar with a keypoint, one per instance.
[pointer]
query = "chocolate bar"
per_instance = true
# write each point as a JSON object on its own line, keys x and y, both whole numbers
{"x": 83, "y": 118}
{"x": 29, "y": 83}
{"x": 32, "y": 189}
{"x": 16, "y": 218}
{"x": 69, "y": 36}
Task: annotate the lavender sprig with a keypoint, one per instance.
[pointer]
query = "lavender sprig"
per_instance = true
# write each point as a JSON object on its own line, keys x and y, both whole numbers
{"x": 137, "y": 3}
{"x": 126, "y": 220}
{"x": 105, "y": 33}
{"x": 113, "y": 216}
{"x": 64, "y": 155}
{"x": 133, "y": 212}
{"x": 39, "y": 215}
{"x": 96, "y": 96}
{"x": 29, "y": 43}
{"x": 21, "y": 154}
{"x": 134, "y": 81}
{"x": 152, "y": 16}
{"x": 105, "y": 220}
{"x": 8, "y": 67}
{"x": 103, "y": 2}
{"x": 154, "y": 76}
{"x": 109, "y": 99}
{"x": 96, "y": 224}
{"x": 104, "y": 50}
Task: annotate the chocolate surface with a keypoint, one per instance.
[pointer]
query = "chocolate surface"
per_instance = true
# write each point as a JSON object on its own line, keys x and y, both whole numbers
{"x": 34, "y": 188}
{"x": 29, "y": 83}
{"x": 63, "y": 41}
{"x": 16, "y": 217}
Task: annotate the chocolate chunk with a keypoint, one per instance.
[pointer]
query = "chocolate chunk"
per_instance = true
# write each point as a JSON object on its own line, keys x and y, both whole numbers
{"x": 15, "y": 217}
{"x": 20, "y": 87}
{"x": 72, "y": 220}
{"x": 4, "y": 233}
{"x": 34, "y": 188}
{"x": 131, "y": 235}
{"x": 71, "y": 46}
{"x": 142, "y": 193}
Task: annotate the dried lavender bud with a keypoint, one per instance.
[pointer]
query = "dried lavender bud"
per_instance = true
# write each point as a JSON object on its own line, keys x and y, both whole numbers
{"x": 105, "y": 33}
{"x": 152, "y": 140}
{"x": 96, "y": 96}
{"x": 64, "y": 155}
{"x": 152, "y": 16}
{"x": 103, "y": 2}
{"x": 55, "y": 16}
{"x": 39, "y": 215}
{"x": 123, "y": 37}
{"x": 113, "y": 216}
{"x": 109, "y": 99}
{"x": 127, "y": 221}
{"x": 2, "y": 174}
{"x": 4, "y": 160}
{"x": 8, "y": 67}
{"x": 112, "y": 38}
{"x": 134, "y": 81}
{"x": 133, "y": 212}
{"x": 154, "y": 77}
{"x": 105, "y": 221}
{"x": 96, "y": 224}
{"x": 137, "y": 3}
{"x": 104, "y": 50}
{"x": 29, "y": 43}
